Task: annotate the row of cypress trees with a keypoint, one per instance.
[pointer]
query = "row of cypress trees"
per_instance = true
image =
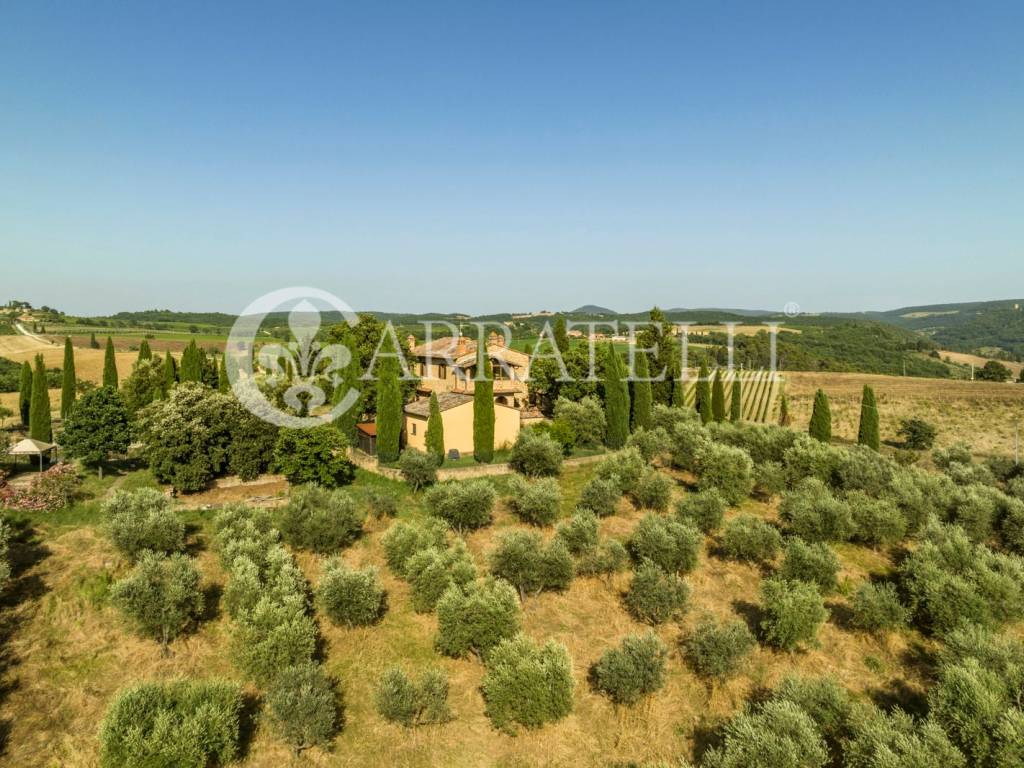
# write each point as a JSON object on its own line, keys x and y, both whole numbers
{"x": 867, "y": 432}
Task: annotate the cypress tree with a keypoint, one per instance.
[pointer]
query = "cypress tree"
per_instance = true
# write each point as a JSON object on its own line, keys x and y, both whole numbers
{"x": 93, "y": 344}
{"x": 643, "y": 397}
{"x": 784, "y": 418}
{"x": 109, "y": 365}
{"x": 616, "y": 400}
{"x": 389, "y": 411}
{"x": 561, "y": 337}
{"x": 223, "y": 382}
{"x": 736, "y": 409}
{"x": 145, "y": 353}
{"x": 718, "y": 397}
{"x": 821, "y": 418}
{"x": 39, "y": 415}
{"x": 346, "y": 422}
{"x": 170, "y": 373}
{"x": 191, "y": 363}
{"x": 435, "y": 430}
{"x": 678, "y": 390}
{"x": 867, "y": 434}
{"x": 25, "y": 393}
{"x": 483, "y": 412}
{"x": 702, "y": 401}
{"x": 67, "y": 390}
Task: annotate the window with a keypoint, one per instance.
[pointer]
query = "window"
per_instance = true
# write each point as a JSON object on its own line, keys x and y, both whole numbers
{"x": 423, "y": 370}
{"x": 442, "y": 371}
{"x": 414, "y": 427}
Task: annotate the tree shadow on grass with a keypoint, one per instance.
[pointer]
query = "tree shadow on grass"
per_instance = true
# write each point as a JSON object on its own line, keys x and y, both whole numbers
{"x": 751, "y": 614}
{"x": 897, "y": 693}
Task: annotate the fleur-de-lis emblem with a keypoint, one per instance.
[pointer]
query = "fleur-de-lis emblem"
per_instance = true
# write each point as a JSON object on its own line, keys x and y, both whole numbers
{"x": 303, "y": 361}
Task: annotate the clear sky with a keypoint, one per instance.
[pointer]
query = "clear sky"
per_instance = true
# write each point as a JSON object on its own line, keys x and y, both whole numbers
{"x": 484, "y": 156}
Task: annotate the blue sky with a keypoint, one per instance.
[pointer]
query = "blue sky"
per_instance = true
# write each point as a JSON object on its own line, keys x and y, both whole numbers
{"x": 511, "y": 156}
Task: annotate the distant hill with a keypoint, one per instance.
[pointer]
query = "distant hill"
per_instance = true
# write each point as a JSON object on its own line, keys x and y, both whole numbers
{"x": 592, "y": 309}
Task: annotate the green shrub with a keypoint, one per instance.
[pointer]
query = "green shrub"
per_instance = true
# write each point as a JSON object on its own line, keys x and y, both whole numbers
{"x": 1011, "y": 530}
{"x": 652, "y": 443}
{"x": 609, "y": 556}
{"x": 823, "y": 699}
{"x": 810, "y": 458}
{"x": 161, "y": 596}
{"x": 876, "y": 522}
{"x": 381, "y": 502}
{"x": 750, "y": 539}
{"x": 474, "y": 618}
{"x": 969, "y": 702}
{"x": 625, "y": 467}
{"x": 418, "y": 469}
{"x": 466, "y": 506}
{"x": 716, "y": 650}
{"x": 349, "y": 597}
{"x": 670, "y": 545}
{"x": 243, "y": 530}
{"x": 877, "y": 607}
{"x": 958, "y": 453}
{"x": 704, "y": 510}
{"x": 143, "y": 520}
{"x": 275, "y": 577}
{"x": 770, "y": 478}
{"x": 535, "y": 454}
{"x": 908, "y": 492}
{"x": 975, "y": 509}
{"x": 579, "y": 533}
{"x": 688, "y": 439}
{"x": 537, "y": 501}
{"x": 402, "y": 540}
{"x": 527, "y": 684}
{"x": 728, "y": 470}
{"x": 316, "y": 455}
{"x": 601, "y": 496}
{"x": 814, "y": 514}
{"x": 633, "y": 670}
{"x": 917, "y": 434}
{"x": 862, "y": 469}
{"x": 654, "y": 596}
{"x": 585, "y": 417}
{"x": 525, "y": 562}
{"x": 270, "y": 638}
{"x": 431, "y": 571}
{"x": 814, "y": 563}
{"x": 792, "y": 613}
{"x": 778, "y": 734}
{"x": 652, "y": 491}
{"x": 402, "y": 700}
{"x": 303, "y": 707}
{"x": 895, "y": 740}
{"x": 182, "y": 723}
{"x": 320, "y": 520}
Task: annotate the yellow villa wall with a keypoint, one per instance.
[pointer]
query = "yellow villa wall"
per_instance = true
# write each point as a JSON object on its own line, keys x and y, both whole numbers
{"x": 458, "y": 428}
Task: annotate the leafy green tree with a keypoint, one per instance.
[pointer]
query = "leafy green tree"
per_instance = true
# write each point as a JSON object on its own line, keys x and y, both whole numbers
{"x": 67, "y": 391}
{"x": 144, "y": 385}
{"x": 434, "y": 438}
{"x": 161, "y": 596}
{"x": 142, "y": 520}
{"x": 39, "y": 425}
{"x": 433, "y": 570}
{"x": 403, "y": 540}
{"x": 464, "y": 505}
{"x": 654, "y": 596}
{"x": 633, "y": 670}
{"x": 821, "y": 418}
{"x": 475, "y": 618}
{"x": 777, "y": 734}
{"x": 537, "y": 501}
{"x": 814, "y": 563}
{"x": 918, "y": 434}
{"x": 314, "y": 455}
{"x": 96, "y": 427}
{"x": 320, "y": 520}
{"x": 867, "y": 434}
{"x": 25, "y": 394}
{"x": 527, "y": 684}
{"x": 670, "y": 545}
{"x": 349, "y": 597}
{"x": 642, "y": 397}
{"x": 272, "y": 636}
{"x": 616, "y": 399}
{"x": 877, "y": 607}
{"x": 716, "y": 649}
{"x": 993, "y": 370}
{"x": 389, "y": 411}
{"x": 483, "y": 412}
{"x": 109, "y": 365}
{"x": 718, "y": 396}
{"x": 409, "y": 703}
{"x": 145, "y": 353}
{"x": 418, "y": 469}
{"x": 181, "y": 723}
{"x": 750, "y": 539}
{"x": 702, "y": 400}
{"x": 523, "y": 560}
{"x": 303, "y": 707}
{"x": 792, "y": 610}
{"x": 536, "y": 454}
{"x": 736, "y": 404}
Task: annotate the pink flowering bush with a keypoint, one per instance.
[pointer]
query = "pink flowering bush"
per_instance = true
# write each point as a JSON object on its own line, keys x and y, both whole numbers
{"x": 47, "y": 492}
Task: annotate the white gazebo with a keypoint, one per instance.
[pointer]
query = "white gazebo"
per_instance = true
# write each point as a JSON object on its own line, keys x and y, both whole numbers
{"x": 30, "y": 447}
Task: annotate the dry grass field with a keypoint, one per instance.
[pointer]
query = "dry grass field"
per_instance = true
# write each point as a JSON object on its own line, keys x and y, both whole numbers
{"x": 982, "y": 414}
{"x": 978, "y": 361}
{"x": 69, "y": 652}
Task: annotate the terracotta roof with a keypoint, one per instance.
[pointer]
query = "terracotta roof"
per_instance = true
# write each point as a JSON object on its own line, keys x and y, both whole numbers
{"x": 368, "y": 428}
{"x": 463, "y": 351}
{"x": 445, "y": 401}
